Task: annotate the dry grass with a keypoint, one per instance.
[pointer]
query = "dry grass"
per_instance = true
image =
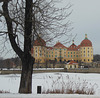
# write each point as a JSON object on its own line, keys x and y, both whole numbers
{"x": 67, "y": 85}
{"x": 1, "y": 91}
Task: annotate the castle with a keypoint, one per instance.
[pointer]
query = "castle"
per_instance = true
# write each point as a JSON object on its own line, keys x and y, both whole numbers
{"x": 83, "y": 52}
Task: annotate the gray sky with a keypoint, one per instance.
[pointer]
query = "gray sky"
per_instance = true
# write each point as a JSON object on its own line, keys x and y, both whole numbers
{"x": 86, "y": 20}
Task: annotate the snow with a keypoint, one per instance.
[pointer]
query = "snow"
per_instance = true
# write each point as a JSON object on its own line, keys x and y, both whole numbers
{"x": 46, "y": 96}
{"x": 11, "y": 83}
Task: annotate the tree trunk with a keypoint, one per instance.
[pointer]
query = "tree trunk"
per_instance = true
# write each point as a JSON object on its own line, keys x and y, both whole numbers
{"x": 27, "y": 60}
{"x": 26, "y": 75}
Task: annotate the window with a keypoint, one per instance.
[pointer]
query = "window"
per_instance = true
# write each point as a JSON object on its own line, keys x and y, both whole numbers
{"x": 52, "y": 55}
{"x": 74, "y": 55}
{"x": 40, "y": 54}
{"x": 84, "y": 59}
{"x": 71, "y": 55}
{"x": 70, "y": 66}
{"x": 88, "y": 60}
{"x": 68, "y": 52}
{"x": 49, "y": 55}
{"x": 84, "y": 55}
{"x": 71, "y": 52}
{"x": 88, "y": 51}
{"x": 84, "y": 51}
{"x": 84, "y": 48}
{"x": 74, "y": 52}
{"x": 55, "y": 55}
{"x": 68, "y": 55}
{"x": 88, "y": 55}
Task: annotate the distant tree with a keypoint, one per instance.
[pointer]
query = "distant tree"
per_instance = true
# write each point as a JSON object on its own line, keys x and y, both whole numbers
{"x": 16, "y": 61}
{"x": 8, "y": 63}
{"x": 96, "y": 57}
{"x": 24, "y": 20}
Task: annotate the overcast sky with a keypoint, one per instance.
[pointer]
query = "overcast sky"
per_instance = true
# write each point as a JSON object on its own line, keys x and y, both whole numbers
{"x": 86, "y": 20}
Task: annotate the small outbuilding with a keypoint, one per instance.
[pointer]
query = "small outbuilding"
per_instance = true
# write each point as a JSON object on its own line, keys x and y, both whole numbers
{"x": 71, "y": 65}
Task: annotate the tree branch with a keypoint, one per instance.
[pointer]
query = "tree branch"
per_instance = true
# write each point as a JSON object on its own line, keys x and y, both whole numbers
{"x": 10, "y": 30}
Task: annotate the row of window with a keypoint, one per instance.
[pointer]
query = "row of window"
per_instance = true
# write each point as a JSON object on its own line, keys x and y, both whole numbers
{"x": 87, "y": 55}
{"x": 88, "y": 60}
{"x": 85, "y": 48}
{"x": 85, "y": 51}
{"x": 64, "y": 55}
{"x": 60, "y": 49}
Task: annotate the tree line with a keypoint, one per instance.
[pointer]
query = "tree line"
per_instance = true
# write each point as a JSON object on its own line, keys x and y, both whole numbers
{"x": 10, "y": 63}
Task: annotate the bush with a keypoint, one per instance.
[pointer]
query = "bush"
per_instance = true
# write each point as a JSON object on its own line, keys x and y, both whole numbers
{"x": 67, "y": 85}
{"x": 1, "y": 91}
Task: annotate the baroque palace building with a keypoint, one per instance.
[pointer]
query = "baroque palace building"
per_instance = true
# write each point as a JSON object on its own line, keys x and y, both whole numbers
{"x": 60, "y": 53}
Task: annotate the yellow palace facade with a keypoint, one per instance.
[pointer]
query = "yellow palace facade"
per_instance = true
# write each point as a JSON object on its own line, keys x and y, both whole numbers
{"x": 83, "y": 52}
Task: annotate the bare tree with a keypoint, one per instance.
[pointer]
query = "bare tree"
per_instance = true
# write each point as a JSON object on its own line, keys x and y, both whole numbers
{"x": 24, "y": 21}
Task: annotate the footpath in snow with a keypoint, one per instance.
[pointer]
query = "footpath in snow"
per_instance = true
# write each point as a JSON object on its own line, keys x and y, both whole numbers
{"x": 46, "y": 96}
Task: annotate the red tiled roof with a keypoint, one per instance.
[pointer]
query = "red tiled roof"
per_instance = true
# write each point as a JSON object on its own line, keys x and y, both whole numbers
{"x": 59, "y": 45}
{"x": 72, "y": 62}
{"x": 39, "y": 42}
{"x": 49, "y": 48}
{"x": 78, "y": 47}
{"x": 73, "y": 47}
{"x": 86, "y": 42}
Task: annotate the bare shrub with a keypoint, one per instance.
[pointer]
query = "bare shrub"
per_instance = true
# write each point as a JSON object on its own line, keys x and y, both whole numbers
{"x": 67, "y": 85}
{"x": 1, "y": 91}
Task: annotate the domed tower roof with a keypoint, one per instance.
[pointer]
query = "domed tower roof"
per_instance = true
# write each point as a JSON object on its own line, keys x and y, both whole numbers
{"x": 86, "y": 42}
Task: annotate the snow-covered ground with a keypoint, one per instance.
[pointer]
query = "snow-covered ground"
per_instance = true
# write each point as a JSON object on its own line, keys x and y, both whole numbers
{"x": 46, "y": 81}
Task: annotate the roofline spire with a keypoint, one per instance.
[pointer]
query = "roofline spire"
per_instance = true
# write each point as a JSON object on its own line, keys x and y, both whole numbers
{"x": 73, "y": 42}
{"x": 86, "y": 36}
